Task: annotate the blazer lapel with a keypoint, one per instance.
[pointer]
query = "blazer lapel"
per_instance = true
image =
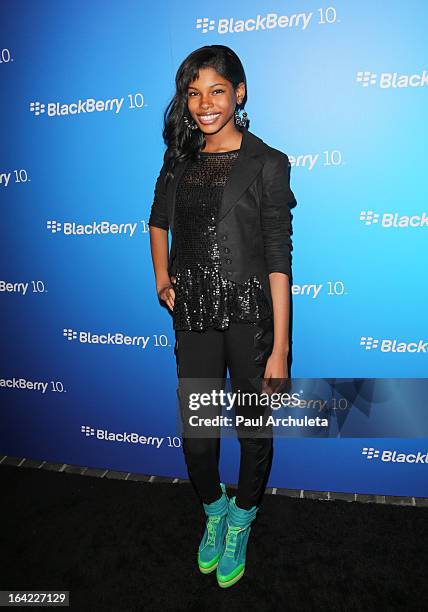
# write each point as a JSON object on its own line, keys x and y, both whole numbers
{"x": 242, "y": 174}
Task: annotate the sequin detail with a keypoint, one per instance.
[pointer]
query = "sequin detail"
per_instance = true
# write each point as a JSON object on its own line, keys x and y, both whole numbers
{"x": 203, "y": 298}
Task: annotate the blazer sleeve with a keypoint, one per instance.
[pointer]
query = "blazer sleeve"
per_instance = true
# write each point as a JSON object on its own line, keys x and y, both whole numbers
{"x": 158, "y": 213}
{"x": 276, "y": 217}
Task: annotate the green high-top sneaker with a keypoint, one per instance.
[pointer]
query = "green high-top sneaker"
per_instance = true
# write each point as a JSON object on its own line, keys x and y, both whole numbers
{"x": 231, "y": 566}
{"x": 212, "y": 543}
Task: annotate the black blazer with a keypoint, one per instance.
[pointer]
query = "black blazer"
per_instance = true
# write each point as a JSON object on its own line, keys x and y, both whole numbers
{"x": 254, "y": 220}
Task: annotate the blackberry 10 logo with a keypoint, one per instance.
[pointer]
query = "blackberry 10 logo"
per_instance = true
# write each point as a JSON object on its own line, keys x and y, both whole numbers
{"x": 393, "y": 219}
{"x": 269, "y": 21}
{"x": 369, "y": 343}
{"x": 88, "y": 431}
{"x": 126, "y": 437}
{"x": 369, "y": 217}
{"x": 38, "y": 108}
{"x": 70, "y": 334}
{"x": 392, "y": 80}
{"x": 392, "y": 345}
{"x": 205, "y": 25}
{"x": 394, "y": 456}
{"x": 94, "y": 228}
{"x": 108, "y": 338}
{"x": 370, "y": 452}
{"x": 81, "y": 107}
{"x": 366, "y": 78}
{"x": 86, "y": 106}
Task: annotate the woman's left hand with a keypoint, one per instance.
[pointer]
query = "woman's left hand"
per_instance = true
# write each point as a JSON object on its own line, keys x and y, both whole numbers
{"x": 276, "y": 369}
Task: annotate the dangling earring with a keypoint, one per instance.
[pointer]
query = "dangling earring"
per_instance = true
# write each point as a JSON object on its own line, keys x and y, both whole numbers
{"x": 190, "y": 126}
{"x": 241, "y": 121}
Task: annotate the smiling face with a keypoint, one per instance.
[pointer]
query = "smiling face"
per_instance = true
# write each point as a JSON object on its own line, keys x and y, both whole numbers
{"x": 211, "y": 100}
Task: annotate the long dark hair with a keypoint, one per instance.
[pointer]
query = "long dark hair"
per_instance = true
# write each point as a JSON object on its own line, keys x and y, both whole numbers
{"x": 183, "y": 143}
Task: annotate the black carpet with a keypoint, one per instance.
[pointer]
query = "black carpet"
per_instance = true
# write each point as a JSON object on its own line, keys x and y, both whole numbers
{"x": 121, "y": 545}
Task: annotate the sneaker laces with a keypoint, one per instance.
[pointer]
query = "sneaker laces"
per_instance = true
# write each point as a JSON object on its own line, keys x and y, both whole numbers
{"x": 231, "y": 540}
{"x": 212, "y": 524}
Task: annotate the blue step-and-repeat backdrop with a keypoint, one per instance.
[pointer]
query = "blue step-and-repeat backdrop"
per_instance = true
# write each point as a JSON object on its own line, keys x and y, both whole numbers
{"x": 88, "y": 372}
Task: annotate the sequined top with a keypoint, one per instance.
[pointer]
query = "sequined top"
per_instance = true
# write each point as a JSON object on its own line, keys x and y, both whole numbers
{"x": 203, "y": 298}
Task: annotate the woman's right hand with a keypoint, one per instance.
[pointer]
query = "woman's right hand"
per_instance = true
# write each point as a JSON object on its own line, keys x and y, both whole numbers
{"x": 167, "y": 294}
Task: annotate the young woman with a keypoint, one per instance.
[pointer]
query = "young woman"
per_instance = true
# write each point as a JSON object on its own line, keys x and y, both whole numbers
{"x": 226, "y": 198}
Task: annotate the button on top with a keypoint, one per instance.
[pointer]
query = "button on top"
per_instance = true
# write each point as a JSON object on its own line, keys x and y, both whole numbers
{"x": 226, "y": 250}
{"x": 224, "y": 237}
{"x": 228, "y": 261}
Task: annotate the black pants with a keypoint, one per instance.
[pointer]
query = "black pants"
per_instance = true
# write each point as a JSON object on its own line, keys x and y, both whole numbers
{"x": 243, "y": 348}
